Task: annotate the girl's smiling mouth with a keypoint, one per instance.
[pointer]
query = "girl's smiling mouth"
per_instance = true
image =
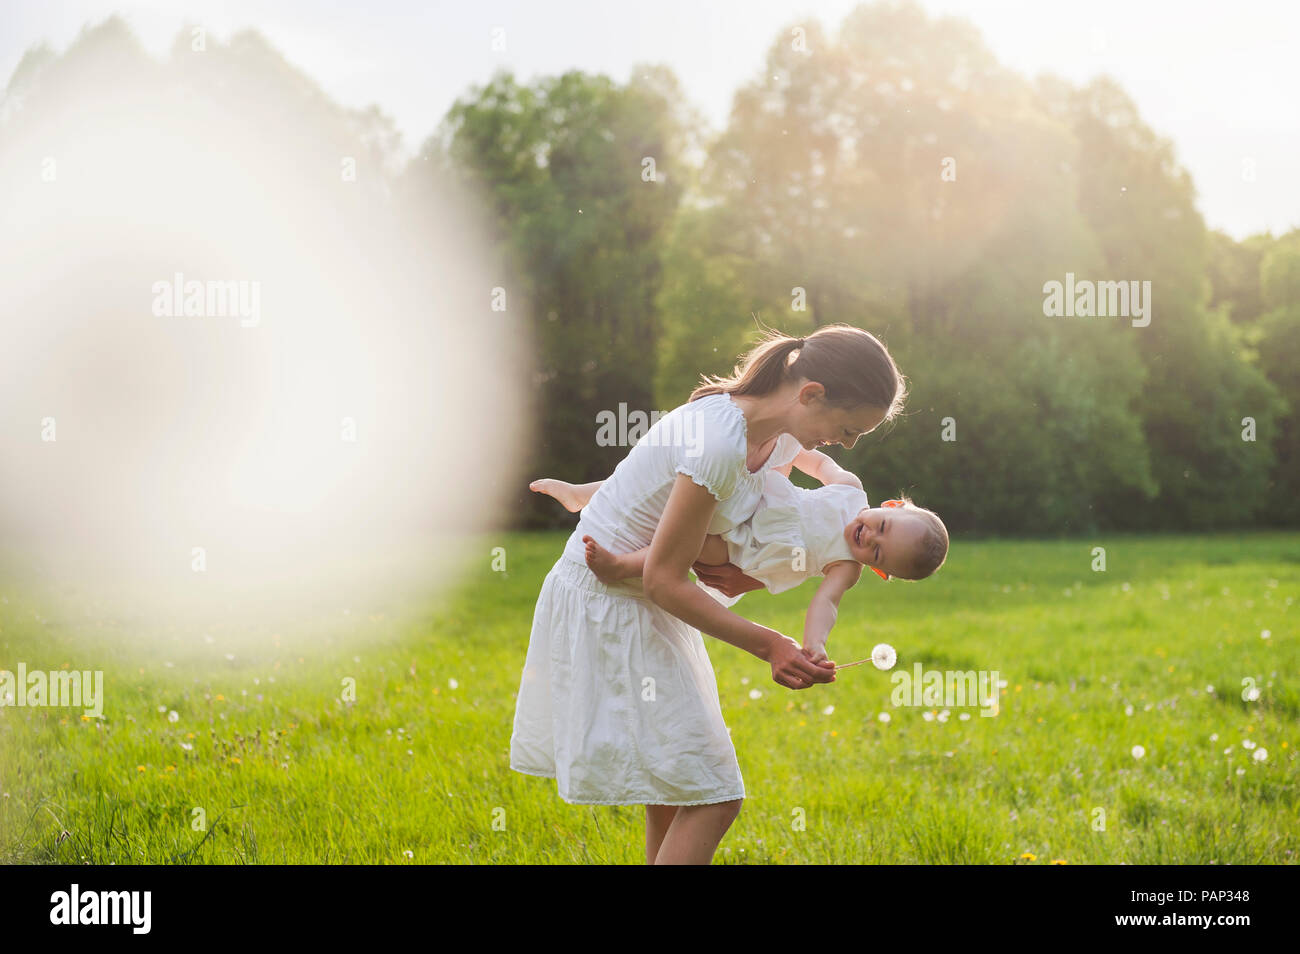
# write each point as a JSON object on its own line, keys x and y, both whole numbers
{"x": 857, "y": 535}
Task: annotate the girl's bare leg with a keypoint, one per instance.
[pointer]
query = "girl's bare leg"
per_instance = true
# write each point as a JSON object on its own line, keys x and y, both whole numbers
{"x": 573, "y": 496}
{"x": 612, "y": 567}
{"x": 695, "y": 833}
{"x": 657, "y": 820}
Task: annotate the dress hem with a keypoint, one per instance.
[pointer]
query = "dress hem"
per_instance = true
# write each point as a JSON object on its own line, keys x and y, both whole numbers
{"x": 713, "y": 800}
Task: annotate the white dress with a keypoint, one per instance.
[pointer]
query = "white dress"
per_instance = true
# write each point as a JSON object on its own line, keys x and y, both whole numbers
{"x": 618, "y": 701}
{"x": 794, "y": 534}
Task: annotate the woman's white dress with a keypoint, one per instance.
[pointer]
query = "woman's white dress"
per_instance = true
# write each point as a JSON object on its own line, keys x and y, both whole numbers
{"x": 618, "y": 701}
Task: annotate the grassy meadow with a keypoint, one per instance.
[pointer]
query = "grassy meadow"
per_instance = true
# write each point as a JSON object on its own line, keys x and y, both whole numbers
{"x": 244, "y": 720}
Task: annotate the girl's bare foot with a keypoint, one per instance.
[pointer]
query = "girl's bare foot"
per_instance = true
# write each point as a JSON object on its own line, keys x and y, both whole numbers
{"x": 561, "y": 491}
{"x": 607, "y": 567}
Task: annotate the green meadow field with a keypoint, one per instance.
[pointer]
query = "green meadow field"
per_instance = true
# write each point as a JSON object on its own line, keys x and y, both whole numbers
{"x": 232, "y": 742}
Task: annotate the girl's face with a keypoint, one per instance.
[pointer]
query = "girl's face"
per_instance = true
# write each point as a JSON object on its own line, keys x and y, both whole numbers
{"x": 818, "y": 423}
{"x": 887, "y": 538}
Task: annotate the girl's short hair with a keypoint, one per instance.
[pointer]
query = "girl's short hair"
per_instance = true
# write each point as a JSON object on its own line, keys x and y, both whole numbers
{"x": 851, "y": 364}
{"x": 934, "y": 545}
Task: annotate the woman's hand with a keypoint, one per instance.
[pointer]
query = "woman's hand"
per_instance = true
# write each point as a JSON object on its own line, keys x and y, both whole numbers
{"x": 792, "y": 668}
{"x": 726, "y": 579}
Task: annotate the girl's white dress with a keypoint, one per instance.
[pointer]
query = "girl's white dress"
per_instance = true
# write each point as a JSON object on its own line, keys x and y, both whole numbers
{"x": 618, "y": 701}
{"x": 794, "y": 534}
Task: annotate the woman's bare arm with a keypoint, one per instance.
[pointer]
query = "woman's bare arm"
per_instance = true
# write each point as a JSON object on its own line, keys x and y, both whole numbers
{"x": 676, "y": 545}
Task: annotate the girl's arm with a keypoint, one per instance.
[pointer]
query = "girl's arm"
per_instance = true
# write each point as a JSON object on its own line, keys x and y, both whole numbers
{"x": 676, "y": 544}
{"x": 820, "y": 467}
{"x": 840, "y": 576}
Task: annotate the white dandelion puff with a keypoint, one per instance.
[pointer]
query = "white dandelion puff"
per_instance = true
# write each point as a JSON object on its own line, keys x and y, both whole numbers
{"x": 755, "y": 694}
{"x": 1260, "y": 755}
{"x": 883, "y": 656}
{"x": 453, "y": 684}
{"x": 883, "y": 717}
{"x": 828, "y": 710}
{"x": 173, "y": 716}
{"x": 1138, "y": 751}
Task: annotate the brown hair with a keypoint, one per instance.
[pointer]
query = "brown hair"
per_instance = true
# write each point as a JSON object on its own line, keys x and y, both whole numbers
{"x": 934, "y": 545}
{"x": 851, "y": 364}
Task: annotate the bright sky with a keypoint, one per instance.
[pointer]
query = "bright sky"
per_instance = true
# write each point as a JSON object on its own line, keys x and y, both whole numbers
{"x": 1217, "y": 78}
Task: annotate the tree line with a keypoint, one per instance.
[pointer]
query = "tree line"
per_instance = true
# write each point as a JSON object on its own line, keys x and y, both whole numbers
{"x": 894, "y": 176}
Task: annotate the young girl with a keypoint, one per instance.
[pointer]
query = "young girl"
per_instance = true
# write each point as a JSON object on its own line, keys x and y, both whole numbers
{"x": 618, "y": 700}
{"x": 796, "y": 534}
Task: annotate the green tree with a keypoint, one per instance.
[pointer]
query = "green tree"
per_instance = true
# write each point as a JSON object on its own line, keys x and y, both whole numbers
{"x": 1279, "y": 350}
{"x": 1200, "y": 377}
{"x": 895, "y": 177}
{"x": 569, "y": 169}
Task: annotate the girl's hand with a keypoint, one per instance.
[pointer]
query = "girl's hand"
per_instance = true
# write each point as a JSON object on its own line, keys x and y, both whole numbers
{"x": 816, "y": 654}
{"x": 792, "y": 668}
{"x": 726, "y": 579}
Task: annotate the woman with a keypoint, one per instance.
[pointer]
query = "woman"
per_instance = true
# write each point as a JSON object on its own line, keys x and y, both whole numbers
{"x": 618, "y": 701}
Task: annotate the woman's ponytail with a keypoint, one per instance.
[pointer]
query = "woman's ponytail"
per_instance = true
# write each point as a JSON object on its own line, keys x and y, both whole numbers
{"x": 851, "y": 364}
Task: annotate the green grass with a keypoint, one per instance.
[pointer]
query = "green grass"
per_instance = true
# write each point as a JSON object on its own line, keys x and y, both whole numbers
{"x": 1096, "y": 663}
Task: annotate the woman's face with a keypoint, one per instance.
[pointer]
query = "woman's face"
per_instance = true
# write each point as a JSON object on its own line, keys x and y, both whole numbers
{"x": 817, "y": 423}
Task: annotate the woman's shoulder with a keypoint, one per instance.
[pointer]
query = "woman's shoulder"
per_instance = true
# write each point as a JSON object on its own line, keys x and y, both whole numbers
{"x": 712, "y": 425}
{"x": 709, "y": 437}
